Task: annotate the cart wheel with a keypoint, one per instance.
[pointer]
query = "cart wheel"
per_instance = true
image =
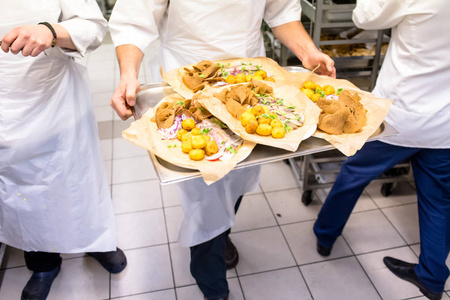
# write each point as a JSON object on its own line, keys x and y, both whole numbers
{"x": 386, "y": 189}
{"x": 307, "y": 197}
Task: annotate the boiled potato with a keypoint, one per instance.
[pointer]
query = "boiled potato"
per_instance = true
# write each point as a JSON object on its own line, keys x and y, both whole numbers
{"x": 315, "y": 97}
{"x": 198, "y": 142}
{"x": 261, "y": 73}
{"x": 328, "y": 89}
{"x": 270, "y": 79}
{"x": 196, "y": 154}
{"x": 247, "y": 116}
{"x": 309, "y": 93}
{"x": 195, "y": 131}
{"x": 264, "y": 119}
{"x": 276, "y": 123}
{"x": 188, "y": 124}
{"x": 180, "y": 133}
{"x": 230, "y": 79}
{"x": 186, "y": 136}
{"x": 264, "y": 129}
{"x": 206, "y": 137}
{"x": 258, "y": 77}
{"x": 248, "y": 77}
{"x": 258, "y": 110}
{"x": 251, "y": 126}
{"x": 186, "y": 146}
{"x": 278, "y": 132}
{"x": 266, "y": 109}
{"x": 309, "y": 85}
{"x": 318, "y": 89}
{"x": 211, "y": 148}
{"x": 240, "y": 78}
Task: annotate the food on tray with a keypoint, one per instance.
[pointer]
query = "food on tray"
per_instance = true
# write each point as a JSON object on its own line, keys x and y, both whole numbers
{"x": 259, "y": 110}
{"x": 206, "y": 73}
{"x": 344, "y": 115}
{"x": 201, "y": 135}
{"x": 314, "y": 91}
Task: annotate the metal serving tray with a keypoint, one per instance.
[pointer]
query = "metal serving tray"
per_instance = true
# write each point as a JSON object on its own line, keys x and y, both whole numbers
{"x": 150, "y": 95}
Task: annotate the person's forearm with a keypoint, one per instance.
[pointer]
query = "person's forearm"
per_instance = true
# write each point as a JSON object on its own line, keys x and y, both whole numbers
{"x": 294, "y": 36}
{"x": 63, "y": 37}
{"x": 129, "y": 58}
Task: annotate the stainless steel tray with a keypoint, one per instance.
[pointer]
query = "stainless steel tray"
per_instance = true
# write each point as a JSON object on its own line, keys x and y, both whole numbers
{"x": 151, "y": 94}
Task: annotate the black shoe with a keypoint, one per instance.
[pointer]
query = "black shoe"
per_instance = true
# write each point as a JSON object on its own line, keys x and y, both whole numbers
{"x": 226, "y": 298}
{"x": 324, "y": 251}
{"x": 114, "y": 261}
{"x": 231, "y": 255}
{"x": 405, "y": 271}
{"x": 38, "y": 287}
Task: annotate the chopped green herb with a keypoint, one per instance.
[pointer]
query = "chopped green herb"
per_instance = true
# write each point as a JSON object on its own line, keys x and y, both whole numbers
{"x": 218, "y": 65}
{"x": 205, "y": 131}
{"x": 322, "y": 94}
{"x": 291, "y": 107}
{"x": 265, "y": 115}
{"x": 243, "y": 68}
{"x": 286, "y": 127}
{"x": 280, "y": 102}
{"x": 180, "y": 103}
{"x": 272, "y": 117}
{"x": 264, "y": 101}
{"x": 229, "y": 63}
{"x": 225, "y": 74}
{"x": 201, "y": 75}
{"x": 339, "y": 92}
{"x": 231, "y": 149}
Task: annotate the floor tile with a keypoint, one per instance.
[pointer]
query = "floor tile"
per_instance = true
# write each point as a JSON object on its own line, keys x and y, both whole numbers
{"x": 119, "y": 126}
{"x": 406, "y": 220}
{"x": 13, "y": 258}
{"x": 148, "y": 270}
{"x": 288, "y": 207}
{"x": 160, "y": 295}
{"x": 124, "y": 149}
{"x": 174, "y": 218}
{"x": 13, "y": 281}
{"x": 302, "y": 242}
{"x": 403, "y": 194}
{"x": 141, "y": 229}
{"x": 277, "y": 176}
{"x": 104, "y": 86}
{"x": 136, "y": 196}
{"x": 254, "y": 212}
{"x": 105, "y": 130}
{"x": 387, "y": 284}
{"x": 341, "y": 279}
{"x": 132, "y": 170}
{"x": 286, "y": 284}
{"x": 170, "y": 195}
{"x": 102, "y": 98}
{"x": 192, "y": 292}
{"x": 370, "y": 231}
{"x": 103, "y": 113}
{"x": 262, "y": 250}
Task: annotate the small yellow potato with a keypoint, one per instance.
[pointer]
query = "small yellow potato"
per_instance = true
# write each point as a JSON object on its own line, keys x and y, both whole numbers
{"x": 196, "y": 154}
{"x": 247, "y": 116}
{"x": 258, "y": 110}
{"x": 240, "y": 78}
{"x": 211, "y": 148}
{"x": 266, "y": 109}
{"x": 230, "y": 79}
{"x": 195, "y": 131}
{"x": 198, "y": 142}
{"x": 308, "y": 93}
{"x": 270, "y": 79}
{"x": 264, "y": 119}
{"x": 206, "y": 137}
{"x": 276, "y": 123}
{"x": 315, "y": 97}
{"x": 188, "y": 124}
{"x": 328, "y": 89}
{"x": 261, "y": 73}
{"x": 186, "y": 146}
{"x": 251, "y": 126}
{"x": 318, "y": 89}
{"x": 186, "y": 136}
{"x": 180, "y": 133}
{"x": 258, "y": 77}
{"x": 264, "y": 129}
{"x": 309, "y": 85}
{"x": 278, "y": 132}
{"x": 248, "y": 77}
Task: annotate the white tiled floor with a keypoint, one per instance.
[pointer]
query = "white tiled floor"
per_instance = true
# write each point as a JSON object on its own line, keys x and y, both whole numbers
{"x": 273, "y": 232}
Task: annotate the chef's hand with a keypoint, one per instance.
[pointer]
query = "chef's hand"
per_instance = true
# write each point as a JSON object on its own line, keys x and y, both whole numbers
{"x": 324, "y": 63}
{"x": 124, "y": 97}
{"x": 30, "y": 39}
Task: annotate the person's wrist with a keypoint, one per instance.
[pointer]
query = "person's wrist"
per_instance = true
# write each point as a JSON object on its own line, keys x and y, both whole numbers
{"x": 50, "y": 27}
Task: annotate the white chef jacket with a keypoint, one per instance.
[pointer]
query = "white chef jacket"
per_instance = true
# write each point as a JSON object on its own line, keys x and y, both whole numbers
{"x": 54, "y": 196}
{"x": 191, "y": 31}
{"x": 416, "y": 70}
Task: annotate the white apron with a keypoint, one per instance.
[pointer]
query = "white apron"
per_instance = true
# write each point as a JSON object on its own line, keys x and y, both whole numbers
{"x": 192, "y": 31}
{"x": 54, "y": 196}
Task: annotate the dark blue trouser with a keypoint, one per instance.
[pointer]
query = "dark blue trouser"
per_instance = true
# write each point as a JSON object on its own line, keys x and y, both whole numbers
{"x": 431, "y": 168}
{"x": 208, "y": 265}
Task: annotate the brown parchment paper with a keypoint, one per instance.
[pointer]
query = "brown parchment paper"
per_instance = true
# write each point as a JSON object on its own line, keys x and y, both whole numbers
{"x": 144, "y": 133}
{"x": 272, "y": 68}
{"x": 377, "y": 109}
{"x": 291, "y": 96}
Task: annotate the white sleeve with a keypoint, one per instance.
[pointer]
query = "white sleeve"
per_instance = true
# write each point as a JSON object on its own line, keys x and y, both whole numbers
{"x": 136, "y": 22}
{"x": 278, "y": 12}
{"x": 379, "y": 14}
{"x": 85, "y": 23}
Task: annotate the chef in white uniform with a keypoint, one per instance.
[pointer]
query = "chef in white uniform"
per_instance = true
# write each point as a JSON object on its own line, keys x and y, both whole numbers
{"x": 54, "y": 195}
{"x": 189, "y": 32}
{"x": 415, "y": 75}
